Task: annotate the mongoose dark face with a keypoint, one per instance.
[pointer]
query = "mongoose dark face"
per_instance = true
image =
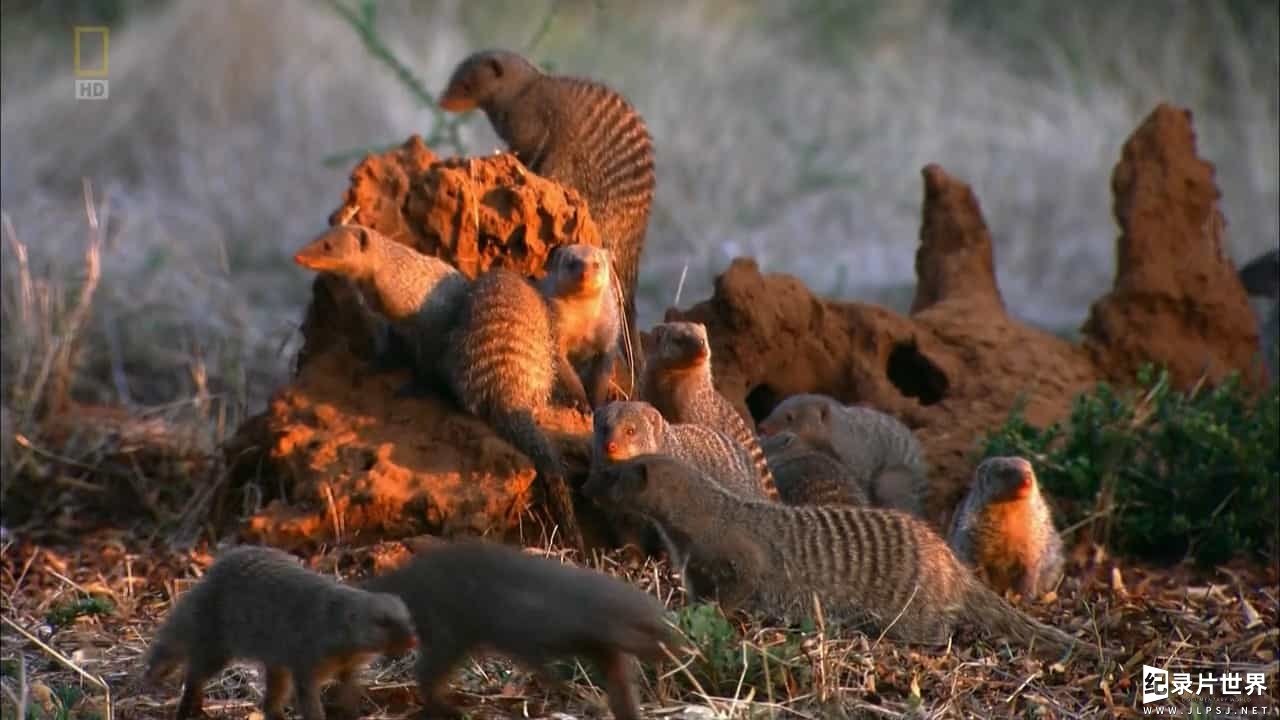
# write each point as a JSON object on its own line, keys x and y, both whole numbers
{"x": 626, "y": 486}
{"x": 342, "y": 250}
{"x": 680, "y": 346}
{"x": 487, "y": 78}
{"x": 1261, "y": 275}
{"x": 1005, "y": 479}
{"x": 381, "y": 624}
{"x": 807, "y": 415}
{"x": 623, "y": 430}
{"x": 579, "y": 270}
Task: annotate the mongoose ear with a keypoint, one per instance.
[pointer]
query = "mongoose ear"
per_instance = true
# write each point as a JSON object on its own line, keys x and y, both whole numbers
{"x": 495, "y": 66}
{"x": 824, "y": 411}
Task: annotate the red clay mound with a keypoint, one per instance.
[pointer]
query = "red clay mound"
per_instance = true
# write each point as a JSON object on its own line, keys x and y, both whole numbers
{"x": 472, "y": 212}
{"x": 1177, "y": 299}
{"x": 951, "y": 371}
{"x": 355, "y": 460}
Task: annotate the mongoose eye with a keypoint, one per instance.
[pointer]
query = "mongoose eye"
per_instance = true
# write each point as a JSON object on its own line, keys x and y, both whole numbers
{"x": 629, "y": 432}
{"x": 328, "y": 245}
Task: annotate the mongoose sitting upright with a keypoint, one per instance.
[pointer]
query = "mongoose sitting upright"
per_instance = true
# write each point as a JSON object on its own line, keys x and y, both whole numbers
{"x": 472, "y": 595}
{"x": 259, "y": 603}
{"x": 418, "y": 294}
{"x": 624, "y": 429}
{"x": 806, "y": 475}
{"x": 579, "y": 289}
{"x": 1004, "y": 527}
{"x": 502, "y": 362}
{"x": 577, "y": 132}
{"x": 883, "y": 570}
{"x": 677, "y": 381}
{"x": 878, "y": 449}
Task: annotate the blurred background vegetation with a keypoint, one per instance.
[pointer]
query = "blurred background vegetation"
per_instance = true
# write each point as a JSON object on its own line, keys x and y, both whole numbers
{"x": 793, "y": 132}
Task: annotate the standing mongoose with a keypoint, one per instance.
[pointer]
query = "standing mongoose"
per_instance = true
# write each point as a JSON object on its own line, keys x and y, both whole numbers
{"x": 883, "y": 570}
{"x": 677, "y": 380}
{"x": 579, "y": 288}
{"x": 502, "y": 363}
{"x": 624, "y": 429}
{"x": 1004, "y": 528}
{"x": 882, "y": 453}
{"x": 419, "y": 295}
{"x": 577, "y": 132}
{"x": 262, "y": 604}
{"x": 471, "y": 595}
{"x": 806, "y": 475}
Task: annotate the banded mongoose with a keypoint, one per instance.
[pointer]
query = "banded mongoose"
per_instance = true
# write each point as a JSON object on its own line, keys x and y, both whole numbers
{"x": 472, "y": 595}
{"x": 261, "y": 604}
{"x": 624, "y": 429}
{"x": 806, "y": 475}
{"x": 577, "y": 132}
{"x": 1261, "y": 278}
{"x": 1004, "y": 528}
{"x": 882, "y": 570}
{"x": 419, "y": 295}
{"x": 579, "y": 288}
{"x": 677, "y": 380}
{"x": 883, "y": 454}
{"x": 502, "y": 363}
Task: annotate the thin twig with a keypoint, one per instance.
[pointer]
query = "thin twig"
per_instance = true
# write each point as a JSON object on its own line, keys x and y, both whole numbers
{"x": 66, "y": 662}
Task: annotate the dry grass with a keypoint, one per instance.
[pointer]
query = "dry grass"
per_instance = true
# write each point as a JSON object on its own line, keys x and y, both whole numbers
{"x": 1225, "y": 619}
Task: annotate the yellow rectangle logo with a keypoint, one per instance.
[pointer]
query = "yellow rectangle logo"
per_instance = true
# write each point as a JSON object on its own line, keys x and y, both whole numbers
{"x": 94, "y": 70}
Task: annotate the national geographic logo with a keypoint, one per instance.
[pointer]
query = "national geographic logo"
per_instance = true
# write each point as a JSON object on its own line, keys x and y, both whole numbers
{"x": 92, "y": 52}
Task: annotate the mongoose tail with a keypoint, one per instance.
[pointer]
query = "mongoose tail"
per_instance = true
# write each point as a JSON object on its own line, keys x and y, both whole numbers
{"x": 985, "y": 608}
{"x": 518, "y": 427}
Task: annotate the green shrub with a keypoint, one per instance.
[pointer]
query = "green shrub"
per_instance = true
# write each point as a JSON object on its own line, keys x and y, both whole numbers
{"x": 727, "y": 664}
{"x": 1159, "y": 473}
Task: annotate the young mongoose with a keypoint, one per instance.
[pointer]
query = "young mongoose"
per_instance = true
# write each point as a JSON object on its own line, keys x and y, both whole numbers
{"x": 1004, "y": 528}
{"x": 677, "y": 381}
{"x": 502, "y": 363}
{"x": 883, "y": 570}
{"x": 806, "y": 475}
{"x": 624, "y": 429}
{"x": 575, "y": 131}
{"x": 470, "y": 595}
{"x": 419, "y": 295}
{"x": 882, "y": 453}
{"x": 579, "y": 289}
{"x": 262, "y": 604}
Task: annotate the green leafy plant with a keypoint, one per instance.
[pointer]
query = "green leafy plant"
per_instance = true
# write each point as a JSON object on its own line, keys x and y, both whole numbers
{"x": 1158, "y": 473}
{"x": 727, "y": 664}
{"x": 66, "y": 613}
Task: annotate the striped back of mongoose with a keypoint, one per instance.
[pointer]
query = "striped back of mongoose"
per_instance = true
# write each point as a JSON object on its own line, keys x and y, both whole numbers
{"x": 625, "y": 429}
{"x": 1004, "y": 528}
{"x": 502, "y": 363}
{"x": 575, "y": 131}
{"x": 419, "y": 295}
{"x": 677, "y": 380}
{"x": 876, "y": 447}
{"x": 806, "y": 475}
{"x": 471, "y": 595}
{"x": 261, "y": 604}
{"x": 883, "y": 570}
{"x": 579, "y": 289}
